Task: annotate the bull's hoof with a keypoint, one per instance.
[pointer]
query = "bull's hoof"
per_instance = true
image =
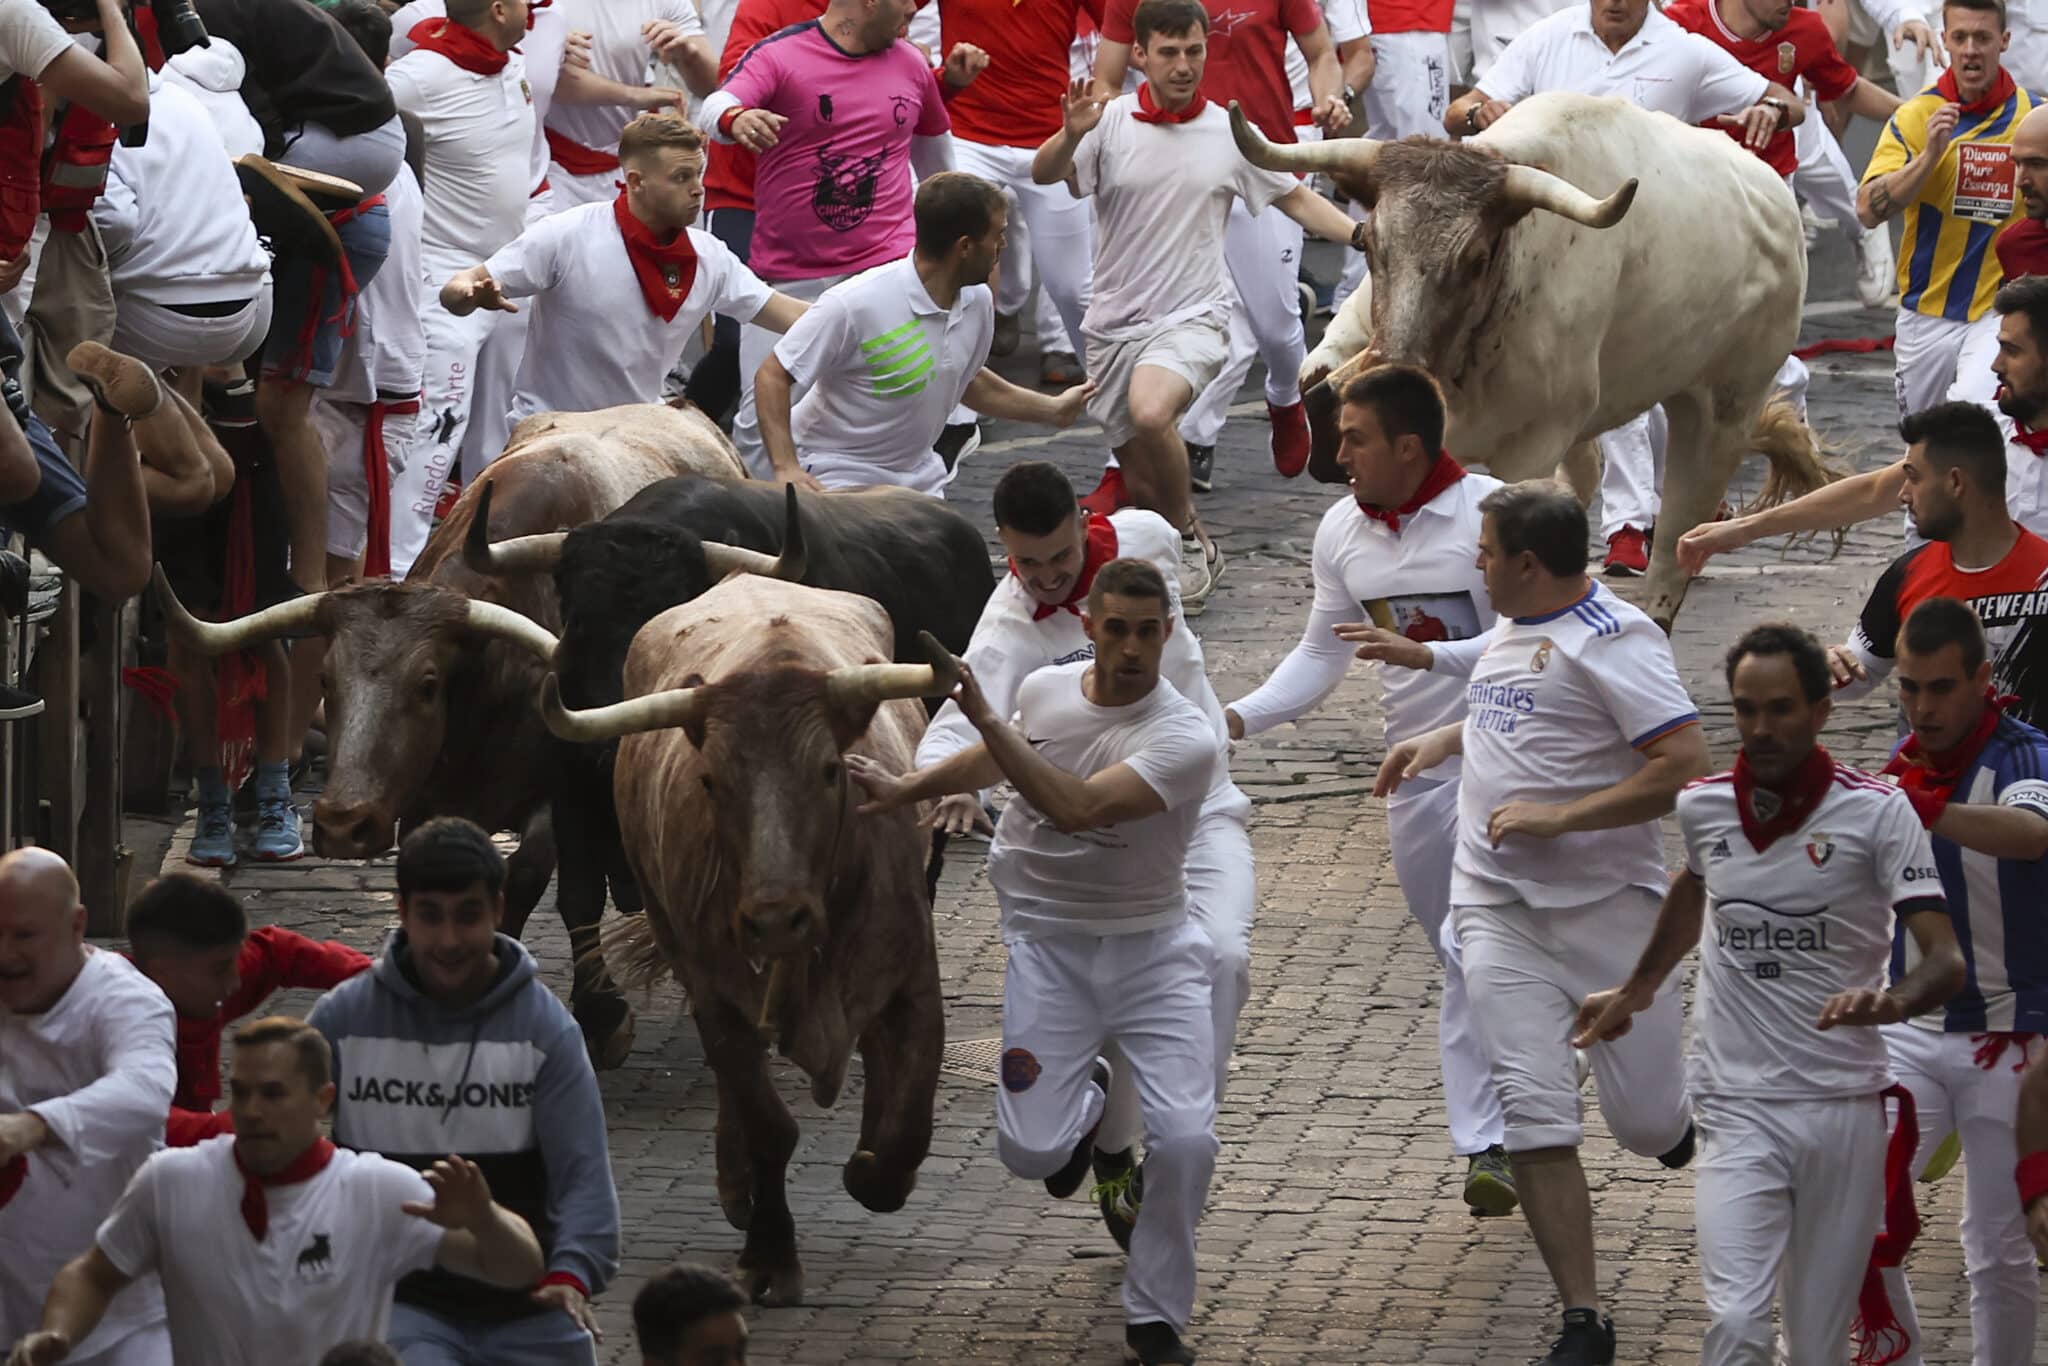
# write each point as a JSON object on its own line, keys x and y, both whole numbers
{"x": 1662, "y": 623}
{"x": 827, "y": 1084}
{"x": 736, "y": 1199}
{"x": 607, "y": 1023}
{"x": 777, "y": 1286}
{"x": 874, "y": 1186}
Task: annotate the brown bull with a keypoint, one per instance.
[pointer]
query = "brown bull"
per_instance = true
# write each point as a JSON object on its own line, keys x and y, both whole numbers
{"x": 791, "y": 920}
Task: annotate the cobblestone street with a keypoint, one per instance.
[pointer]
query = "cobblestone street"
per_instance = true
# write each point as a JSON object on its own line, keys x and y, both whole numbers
{"x": 1335, "y": 1233}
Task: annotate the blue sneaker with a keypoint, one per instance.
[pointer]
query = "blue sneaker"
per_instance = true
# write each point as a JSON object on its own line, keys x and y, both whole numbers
{"x": 213, "y": 842}
{"x": 277, "y": 831}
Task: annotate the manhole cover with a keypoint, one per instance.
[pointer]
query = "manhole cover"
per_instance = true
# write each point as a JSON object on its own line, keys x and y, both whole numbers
{"x": 973, "y": 1060}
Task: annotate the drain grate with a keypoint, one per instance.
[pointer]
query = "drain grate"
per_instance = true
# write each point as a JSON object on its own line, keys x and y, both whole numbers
{"x": 972, "y": 1060}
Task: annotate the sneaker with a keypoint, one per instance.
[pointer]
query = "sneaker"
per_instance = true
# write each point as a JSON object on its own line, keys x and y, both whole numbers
{"x": 1201, "y": 467}
{"x": 1681, "y": 1153}
{"x": 1155, "y": 1344}
{"x": 1067, "y": 1179}
{"x": 1290, "y": 438}
{"x": 1582, "y": 1067}
{"x": 1119, "y": 1190}
{"x": 1201, "y": 565}
{"x": 958, "y": 441}
{"x": 1109, "y": 495}
{"x": 1876, "y": 270}
{"x": 1628, "y": 553}
{"x": 213, "y": 841}
{"x": 18, "y": 704}
{"x": 1009, "y": 330}
{"x": 1059, "y": 369}
{"x": 1490, "y": 1183}
{"x": 1587, "y": 1340}
{"x": 1812, "y": 224}
{"x": 119, "y": 383}
{"x": 14, "y": 579}
{"x": 277, "y": 831}
{"x": 1942, "y": 1160}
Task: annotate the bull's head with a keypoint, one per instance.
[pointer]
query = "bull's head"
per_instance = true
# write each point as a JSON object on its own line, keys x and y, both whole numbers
{"x": 1435, "y": 241}
{"x": 770, "y": 756}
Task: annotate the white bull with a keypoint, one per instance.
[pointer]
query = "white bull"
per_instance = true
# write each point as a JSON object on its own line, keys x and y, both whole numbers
{"x": 1550, "y": 316}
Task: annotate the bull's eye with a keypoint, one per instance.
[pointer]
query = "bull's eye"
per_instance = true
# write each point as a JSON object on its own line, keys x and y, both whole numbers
{"x": 831, "y": 772}
{"x": 427, "y": 687}
{"x": 709, "y": 786}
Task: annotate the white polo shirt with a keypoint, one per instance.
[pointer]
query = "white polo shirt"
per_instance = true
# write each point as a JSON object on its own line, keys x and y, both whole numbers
{"x": 2026, "y": 482}
{"x": 336, "y": 1245}
{"x": 541, "y": 49}
{"x": 1663, "y": 68}
{"x": 1421, "y": 581}
{"x": 884, "y": 367}
{"x": 479, "y": 149}
{"x": 593, "y": 342}
{"x": 617, "y": 52}
{"x": 1347, "y": 22}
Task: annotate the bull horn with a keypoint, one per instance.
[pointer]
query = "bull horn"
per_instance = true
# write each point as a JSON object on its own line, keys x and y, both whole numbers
{"x": 502, "y": 623}
{"x": 1530, "y": 188}
{"x": 860, "y": 684}
{"x": 1351, "y": 157}
{"x": 655, "y": 711}
{"x": 521, "y": 555}
{"x": 721, "y": 559}
{"x": 293, "y": 618}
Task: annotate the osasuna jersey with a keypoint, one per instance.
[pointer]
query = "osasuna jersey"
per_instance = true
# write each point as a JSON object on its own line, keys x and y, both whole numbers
{"x": 1789, "y": 926}
{"x": 1999, "y": 906}
{"x": 1558, "y": 707}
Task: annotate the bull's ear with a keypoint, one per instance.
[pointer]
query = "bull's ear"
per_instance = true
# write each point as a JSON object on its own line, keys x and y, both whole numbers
{"x": 850, "y": 719}
{"x": 693, "y": 724}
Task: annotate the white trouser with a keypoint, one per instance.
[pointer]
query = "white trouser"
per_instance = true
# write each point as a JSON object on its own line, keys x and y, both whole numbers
{"x": 1059, "y": 226}
{"x": 149, "y": 1346}
{"x": 1925, "y": 352}
{"x": 755, "y": 344}
{"x": 1824, "y": 178}
{"x": 1528, "y": 970}
{"x": 1014, "y": 280}
{"x": 1064, "y": 998}
{"x": 1788, "y": 1196}
{"x": 341, "y": 428}
{"x": 1974, "y": 382}
{"x": 497, "y": 372}
{"x": 448, "y": 381}
{"x": 1411, "y": 85}
{"x": 1952, "y": 1095}
{"x": 1632, "y": 472}
{"x": 1417, "y": 819}
{"x": 1263, "y": 252}
{"x": 1223, "y": 895}
{"x": 574, "y": 191}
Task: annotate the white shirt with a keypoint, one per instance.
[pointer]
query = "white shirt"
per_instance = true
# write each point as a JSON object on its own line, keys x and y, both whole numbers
{"x": 619, "y": 53}
{"x": 1421, "y": 581}
{"x": 30, "y": 39}
{"x": 1162, "y": 197}
{"x": 479, "y": 146}
{"x": 2026, "y": 482}
{"x": 1124, "y": 879}
{"x": 387, "y": 352}
{"x": 1496, "y": 23}
{"x": 1558, "y": 708}
{"x": 1663, "y": 68}
{"x": 541, "y": 49}
{"x": 98, "y": 1068}
{"x": 335, "y": 1245}
{"x": 884, "y": 367}
{"x": 1809, "y": 916}
{"x": 1347, "y": 23}
{"x": 593, "y": 342}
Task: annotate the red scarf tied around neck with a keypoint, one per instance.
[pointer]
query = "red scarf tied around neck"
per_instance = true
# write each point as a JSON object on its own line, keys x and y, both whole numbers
{"x": 2001, "y": 91}
{"x": 2037, "y": 442}
{"x": 1098, "y": 550}
{"x": 1770, "y": 811}
{"x": 255, "y": 1204}
{"x": 460, "y": 44}
{"x": 1929, "y": 780}
{"x": 665, "y": 270}
{"x": 1444, "y": 473}
{"x": 1149, "y": 112}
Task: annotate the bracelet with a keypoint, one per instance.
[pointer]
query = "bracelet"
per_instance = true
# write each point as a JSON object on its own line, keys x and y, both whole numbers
{"x": 2032, "y": 1175}
{"x": 1357, "y": 232}
{"x": 1472, "y": 117}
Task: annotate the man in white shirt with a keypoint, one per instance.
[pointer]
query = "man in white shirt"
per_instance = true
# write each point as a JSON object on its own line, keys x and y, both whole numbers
{"x": 1398, "y": 552}
{"x": 272, "y": 1243}
{"x": 620, "y": 287}
{"x": 1577, "y": 736}
{"x": 1164, "y": 171}
{"x": 1629, "y": 49}
{"x": 87, "y": 1062}
{"x": 886, "y": 356}
{"x": 630, "y": 41}
{"x": 1796, "y": 867}
{"x": 1111, "y": 765}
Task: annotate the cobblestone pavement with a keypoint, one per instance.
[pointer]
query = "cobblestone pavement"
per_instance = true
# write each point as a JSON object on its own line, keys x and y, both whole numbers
{"x": 1335, "y": 1232}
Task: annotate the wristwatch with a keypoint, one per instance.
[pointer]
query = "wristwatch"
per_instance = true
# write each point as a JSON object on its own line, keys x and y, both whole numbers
{"x": 1784, "y": 109}
{"x": 1472, "y": 117}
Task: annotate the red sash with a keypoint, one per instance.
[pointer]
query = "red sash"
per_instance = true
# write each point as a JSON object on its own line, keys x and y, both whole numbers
{"x": 377, "y": 478}
{"x": 577, "y": 159}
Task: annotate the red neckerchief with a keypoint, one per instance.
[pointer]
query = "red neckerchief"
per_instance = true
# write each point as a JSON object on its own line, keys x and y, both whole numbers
{"x": 460, "y": 44}
{"x": 1096, "y": 551}
{"x": 1793, "y": 800}
{"x": 255, "y": 1204}
{"x": 2037, "y": 442}
{"x": 1937, "y": 774}
{"x": 1444, "y": 473}
{"x": 11, "y": 1177}
{"x": 534, "y": 7}
{"x": 1148, "y": 112}
{"x": 2001, "y": 91}
{"x": 665, "y": 269}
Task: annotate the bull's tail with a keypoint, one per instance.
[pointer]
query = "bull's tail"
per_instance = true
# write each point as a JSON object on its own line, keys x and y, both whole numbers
{"x": 1800, "y": 461}
{"x": 632, "y": 951}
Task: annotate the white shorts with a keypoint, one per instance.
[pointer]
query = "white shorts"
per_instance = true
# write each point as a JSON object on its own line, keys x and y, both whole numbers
{"x": 1194, "y": 350}
{"x": 836, "y": 471}
{"x": 1925, "y": 352}
{"x": 1411, "y": 85}
{"x": 166, "y": 339}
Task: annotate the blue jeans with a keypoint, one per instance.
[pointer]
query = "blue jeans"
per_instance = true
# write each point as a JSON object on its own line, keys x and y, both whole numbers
{"x": 550, "y": 1339}
{"x": 309, "y": 348}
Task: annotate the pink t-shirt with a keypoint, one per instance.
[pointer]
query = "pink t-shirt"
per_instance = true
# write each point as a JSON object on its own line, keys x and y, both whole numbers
{"x": 833, "y": 195}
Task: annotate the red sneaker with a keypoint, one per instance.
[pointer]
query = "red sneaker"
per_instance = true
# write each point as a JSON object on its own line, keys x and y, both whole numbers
{"x": 1108, "y": 495}
{"x": 1290, "y": 438}
{"x": 1628, "y": 553}
{"x": 446, "y": 505}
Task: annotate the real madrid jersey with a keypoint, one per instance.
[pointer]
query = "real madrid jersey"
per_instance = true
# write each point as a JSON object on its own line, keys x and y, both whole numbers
{"x": 1792, "y": 924}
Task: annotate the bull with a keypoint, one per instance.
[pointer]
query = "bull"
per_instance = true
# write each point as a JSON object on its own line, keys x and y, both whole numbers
{"x": 1550, "y": 314}
{"x": 792, "y": 920}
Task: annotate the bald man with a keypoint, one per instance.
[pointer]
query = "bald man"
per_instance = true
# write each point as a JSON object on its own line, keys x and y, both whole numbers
{"x": 87, "y": 1062}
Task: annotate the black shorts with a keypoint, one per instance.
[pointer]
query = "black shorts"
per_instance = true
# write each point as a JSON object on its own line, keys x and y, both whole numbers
{"x": 194, "y": 550}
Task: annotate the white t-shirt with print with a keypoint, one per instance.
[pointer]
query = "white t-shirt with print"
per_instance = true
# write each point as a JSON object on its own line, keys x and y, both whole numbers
{"x": 1663, "y": 68}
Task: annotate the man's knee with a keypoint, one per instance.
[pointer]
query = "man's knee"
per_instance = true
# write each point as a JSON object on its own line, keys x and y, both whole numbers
{"x": 1742, "y": 1333}
{"x": 1649, "y": 1134}
{"x": 283, "y": 403}
{"x": 1033, "y": 1162}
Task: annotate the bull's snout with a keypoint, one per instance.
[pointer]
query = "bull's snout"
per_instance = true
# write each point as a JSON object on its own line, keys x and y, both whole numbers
{"x": 355, "y": 830}
{"x": 773, "y": 928}
{"x": 1321, "y": 403}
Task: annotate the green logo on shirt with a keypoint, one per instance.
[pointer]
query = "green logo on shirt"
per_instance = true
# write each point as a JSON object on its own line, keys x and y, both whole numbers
{"x": 899, "y": 361}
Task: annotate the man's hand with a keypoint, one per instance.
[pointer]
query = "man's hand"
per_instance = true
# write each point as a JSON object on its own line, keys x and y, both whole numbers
{"x": 757, "y": 130}
{"x": 478, "y": 290}
{"x": 801, "y": 477}
{"x": 1233, "y": 723}
{"x": 1709, "y": 539}
{"x": 1490, "y": 112}
{"x": 1081, "y": 110}
{"x": 964, "y": 62}
{"x": 1916, "y": 32}
{"x": 462, "y": 1198}
{"x": 43, "y": 1349}
{"x": 570, "y": 1301}
{"x": 1844, "y": 666}
{"x": 973, "y": 705}
{"x": 1605, "y": 1016}
{"x": 1864, "y": 1007}
{"x": 665, "y": 38}
{"x": 1411, "y": 759}
{"x": 959, "y": 814}
{"x": 23, "y": 1131}
{"x": 886, "y": 790}
{"x": 659, "y": 97}
{"x": 1334, "y": 114}
{"x": 1537, "y": 820}
{"x": 1941, "y": 130}
{"x": 1759, "y": 123}
{"x": 1071, "y": 404}
{"x": 576, "y": 50}
{"x": 11, "y": 272}
{"x": 1385, "y": 647}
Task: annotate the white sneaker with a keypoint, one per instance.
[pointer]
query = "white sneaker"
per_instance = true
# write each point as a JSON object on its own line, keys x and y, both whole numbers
{"x": 1813, "y": 224}
{"x": 1876, "y": 270}
{"x": 1201, "y": 565}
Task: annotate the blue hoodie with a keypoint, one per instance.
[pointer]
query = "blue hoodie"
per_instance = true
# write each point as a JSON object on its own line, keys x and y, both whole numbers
{"x": 506, "y": 1083}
